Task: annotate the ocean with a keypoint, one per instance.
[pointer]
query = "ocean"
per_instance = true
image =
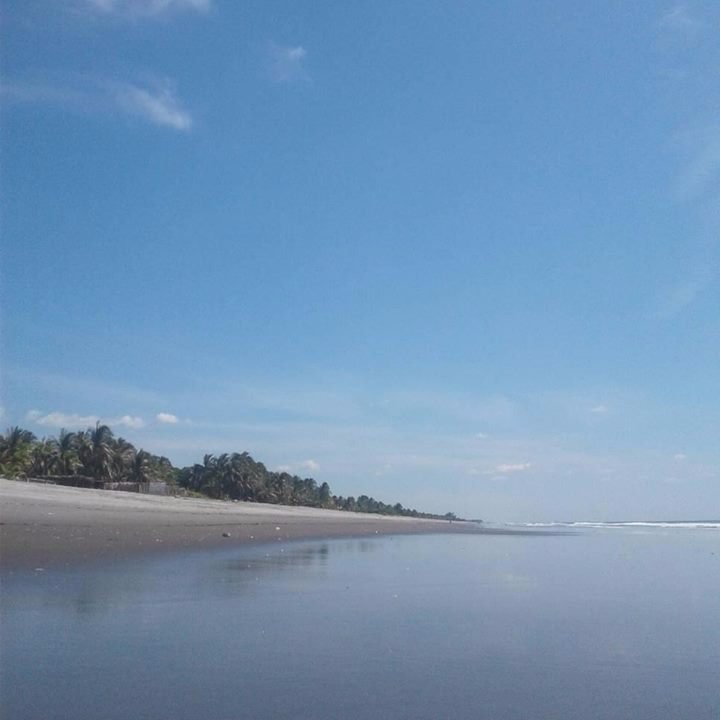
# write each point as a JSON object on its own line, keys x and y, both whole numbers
{"x": 571, "y": 621}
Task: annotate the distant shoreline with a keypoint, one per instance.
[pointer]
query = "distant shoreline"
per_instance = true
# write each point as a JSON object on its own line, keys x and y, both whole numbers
{"x": 45, "y": 526}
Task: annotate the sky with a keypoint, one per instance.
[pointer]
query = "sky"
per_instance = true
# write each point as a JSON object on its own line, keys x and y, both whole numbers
{"x": 461, "y": 255}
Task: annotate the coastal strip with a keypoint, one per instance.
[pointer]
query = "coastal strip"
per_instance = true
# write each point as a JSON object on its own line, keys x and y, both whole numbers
{"x": 45, "y": 526}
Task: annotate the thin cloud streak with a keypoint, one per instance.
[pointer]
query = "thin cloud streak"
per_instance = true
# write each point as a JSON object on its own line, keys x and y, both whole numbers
{"x": 679, "y": 19}
{"x": 128, "y": 421}
{"x": 700, "y": 175}
{"x": 155, "y": 103}
{"x": 74, "y": 421}
{"x": 70, "y": 421}
{"x": 157, "y": 106}
{"x": 504, "y": 468}
{"x": 144, "y": 8}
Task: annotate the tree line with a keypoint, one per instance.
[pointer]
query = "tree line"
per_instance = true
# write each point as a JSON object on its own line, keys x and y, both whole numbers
{"x": 98, "y": 454}
{"x": 94, "y": 453}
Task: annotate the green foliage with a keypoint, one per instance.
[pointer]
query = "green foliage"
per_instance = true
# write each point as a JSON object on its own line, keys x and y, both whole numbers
{"x": 94, "y": 453}
{"x": 98, "y": 454}
{"x": 16, "y": 451}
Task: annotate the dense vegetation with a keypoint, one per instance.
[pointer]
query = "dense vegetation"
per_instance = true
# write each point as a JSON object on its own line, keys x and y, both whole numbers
{"x": 96, "y": 453}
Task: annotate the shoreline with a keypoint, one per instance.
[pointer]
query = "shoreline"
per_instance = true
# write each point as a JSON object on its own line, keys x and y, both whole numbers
{"x": 48, "y": 526}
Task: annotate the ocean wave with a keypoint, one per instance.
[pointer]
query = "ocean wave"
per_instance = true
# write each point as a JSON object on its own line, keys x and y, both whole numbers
{"x": 665, "y": 524}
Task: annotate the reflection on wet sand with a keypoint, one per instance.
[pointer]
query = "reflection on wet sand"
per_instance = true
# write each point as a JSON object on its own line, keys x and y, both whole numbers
{"x": 388, "y": 627}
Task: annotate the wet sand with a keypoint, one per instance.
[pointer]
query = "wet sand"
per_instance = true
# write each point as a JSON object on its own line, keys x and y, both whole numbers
{"x": 44, "y": 526}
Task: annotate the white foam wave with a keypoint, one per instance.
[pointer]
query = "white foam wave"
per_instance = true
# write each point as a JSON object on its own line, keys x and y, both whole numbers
{"x": 670, "y": 524}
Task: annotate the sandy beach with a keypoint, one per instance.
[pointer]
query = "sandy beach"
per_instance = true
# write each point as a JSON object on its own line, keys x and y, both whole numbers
{"x": 42, "y": 526}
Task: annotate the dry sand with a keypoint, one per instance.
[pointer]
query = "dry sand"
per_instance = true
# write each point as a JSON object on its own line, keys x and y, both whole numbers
{"x": 47, "y": 525}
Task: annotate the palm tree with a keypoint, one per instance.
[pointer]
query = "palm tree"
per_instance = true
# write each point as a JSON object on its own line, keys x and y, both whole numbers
{"x": 225, "y": 475}
{"x": 15, "y": 450}
{"x": 196, "y": 475}
{"x": 123, "y": 456}
{"x": 210, "y": 477}
{"x": 66, "y": 453}
{"x": 140, "y": 467}
{"x": 250, "y": 476}
{"x": 96, "y": 452}
{"x": 42, "y": 458}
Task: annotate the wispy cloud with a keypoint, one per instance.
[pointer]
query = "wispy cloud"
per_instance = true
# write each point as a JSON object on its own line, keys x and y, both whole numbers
{"x": 682, "y": 295}
{"x": 310, "y": 465}
{"x": 167, "y": 418}
{"x": 679, "y": 19}
{"x": 71, "y": 421}
{"x": 599, "y": 409}
{"x": 74, "y": 421}
{"x": 128, "y": 421}
{"x": 287, "y": 63}
{"x": 691, "y": 34}
{"x": 143, "y": 8}
{"x": 505, "y": 468}
{"x": 158, "y": 106}
{"x": 155, "y": 102}
{"x": 700, "y": 174}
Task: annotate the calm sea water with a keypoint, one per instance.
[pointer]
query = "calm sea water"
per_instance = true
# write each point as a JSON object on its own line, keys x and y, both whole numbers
{"x": 598, "y": 624}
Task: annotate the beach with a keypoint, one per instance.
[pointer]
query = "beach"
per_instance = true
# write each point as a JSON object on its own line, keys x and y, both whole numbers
{"x": 43, "y": 526}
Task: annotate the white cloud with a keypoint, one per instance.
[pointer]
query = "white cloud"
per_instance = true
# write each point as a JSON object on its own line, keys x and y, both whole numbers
{"x": 145, "y": 8}
{"x": 167, "y": 418}
{"x": 157, "y": 106}
{"x": 512, "y": 467}
{"x": 283, "y": 468}
{"x": 679, "y": 457}
{"x": 287, "y": 64}
{"x": 75, "y": 421}
{"x": 129, "y": 421}
{"x": 154, "y": 102}
{"x": 599, "y": 409}
{"x": 481, "y": 436}
{"x": 309, "y": 465}
{"x": 61, "y": 420}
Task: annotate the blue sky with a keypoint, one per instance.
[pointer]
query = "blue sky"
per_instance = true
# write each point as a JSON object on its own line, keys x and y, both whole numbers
{"x": 463, "y": 255}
